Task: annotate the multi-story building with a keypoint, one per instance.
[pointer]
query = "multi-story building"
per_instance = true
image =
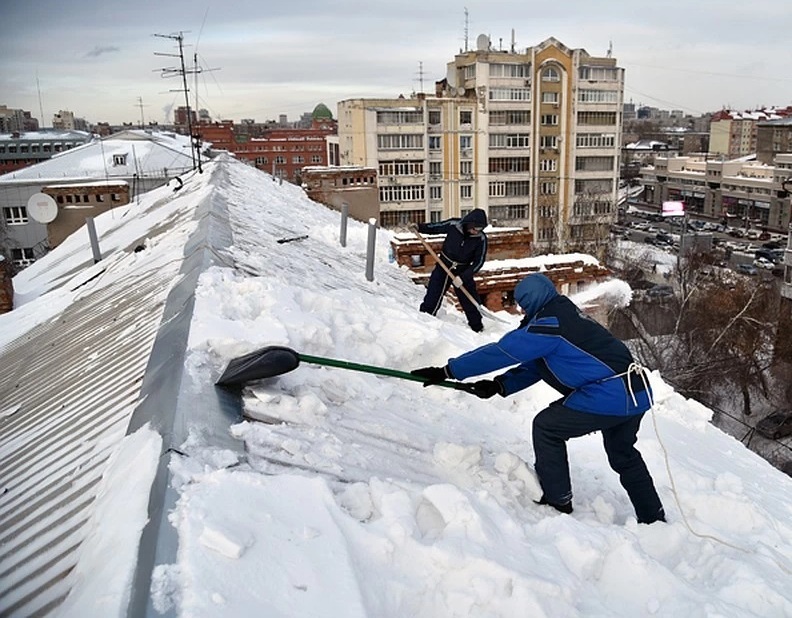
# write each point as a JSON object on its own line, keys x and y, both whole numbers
{"x": 734, "y": 134}
{"x": 531, "y": 136}
{"x": 16, "y": 120}
{"x": 18, "y": 150}
{"x": 773, "y": 137}
{"x": 84, "y": 181}
{"x": 283, "y": 152}
{"x": 746, "y": 192}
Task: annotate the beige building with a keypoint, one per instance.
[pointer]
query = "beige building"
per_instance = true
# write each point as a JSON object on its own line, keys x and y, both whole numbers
{"x": 738, "y": 192}
{"x": 531, "y": 136}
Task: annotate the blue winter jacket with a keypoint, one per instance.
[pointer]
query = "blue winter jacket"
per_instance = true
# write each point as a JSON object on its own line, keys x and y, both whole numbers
{"x": 464, "y": 254}
{"x": 569, "y": 350}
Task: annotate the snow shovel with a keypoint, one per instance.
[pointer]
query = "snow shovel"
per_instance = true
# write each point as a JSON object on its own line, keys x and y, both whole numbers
{"x": 276, "y": 360}
{"x": 481, "y": 308}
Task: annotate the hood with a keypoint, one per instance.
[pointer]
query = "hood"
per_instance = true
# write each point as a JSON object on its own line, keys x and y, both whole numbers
{"x": 533, "y": 293}
{"x": 476, "y": 216}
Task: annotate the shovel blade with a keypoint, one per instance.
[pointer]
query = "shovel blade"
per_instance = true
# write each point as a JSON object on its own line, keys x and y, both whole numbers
{"x": 266, "y": 362}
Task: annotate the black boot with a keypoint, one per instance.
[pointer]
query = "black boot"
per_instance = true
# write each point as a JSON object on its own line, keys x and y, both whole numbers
{"x": 562, "y": 508}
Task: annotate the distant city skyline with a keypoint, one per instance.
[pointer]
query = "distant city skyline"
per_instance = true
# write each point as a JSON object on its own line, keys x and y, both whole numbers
{"x": 104, "y": 62}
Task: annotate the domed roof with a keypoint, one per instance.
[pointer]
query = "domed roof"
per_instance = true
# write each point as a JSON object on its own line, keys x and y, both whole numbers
{"x": 321, "y": 111}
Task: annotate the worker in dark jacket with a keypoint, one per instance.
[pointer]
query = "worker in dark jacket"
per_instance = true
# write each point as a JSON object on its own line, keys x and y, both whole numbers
{"x": 464, "y": 251}
{"x": 603, "y": 390}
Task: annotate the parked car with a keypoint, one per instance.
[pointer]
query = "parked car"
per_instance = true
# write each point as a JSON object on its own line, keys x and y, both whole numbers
{"x": 776, "y": 425}
{"x": 660, "y": 291}
{"x": 746, "y": 269}
{"x": 763, "y": 263}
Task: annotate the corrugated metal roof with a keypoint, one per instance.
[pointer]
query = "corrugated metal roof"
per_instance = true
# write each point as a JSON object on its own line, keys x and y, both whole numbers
{"x": 69, "y": 390}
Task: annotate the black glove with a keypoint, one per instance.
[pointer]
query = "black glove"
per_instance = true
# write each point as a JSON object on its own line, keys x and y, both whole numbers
{"x": 431, "y": 375}
{"x": 486, "y": 388}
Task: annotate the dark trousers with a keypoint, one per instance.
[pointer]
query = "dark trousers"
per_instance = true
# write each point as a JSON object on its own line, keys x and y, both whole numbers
{"x": 554, "y": 425}
{"x": 438, "y": 284}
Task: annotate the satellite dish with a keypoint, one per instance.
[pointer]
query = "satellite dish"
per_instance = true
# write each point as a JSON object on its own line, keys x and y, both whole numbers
{"x": 482, "y": 42}
{"x": 460, "y": 92}
{"x": 42, "y": 208}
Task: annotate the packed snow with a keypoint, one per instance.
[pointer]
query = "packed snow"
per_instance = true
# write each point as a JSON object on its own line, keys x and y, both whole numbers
{"x": 372, "y": 496}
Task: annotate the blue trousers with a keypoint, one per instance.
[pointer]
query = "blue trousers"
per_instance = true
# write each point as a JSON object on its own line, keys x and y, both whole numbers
{"x": 438, "y": 284}
{"x": 556, "y": 424}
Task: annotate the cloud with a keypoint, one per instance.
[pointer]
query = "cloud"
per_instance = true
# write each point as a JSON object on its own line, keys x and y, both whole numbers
{"x": 99, "y": 50}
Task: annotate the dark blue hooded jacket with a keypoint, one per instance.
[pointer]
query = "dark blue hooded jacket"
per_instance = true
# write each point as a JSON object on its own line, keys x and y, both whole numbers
{"x": 561, "y": 345}
{"x": 463, "y": 253}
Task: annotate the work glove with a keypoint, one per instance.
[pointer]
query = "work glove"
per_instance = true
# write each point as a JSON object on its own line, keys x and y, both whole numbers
{"x": 457, "y": 281}
{"x": 431, "y": 375}
{"x": 486, "y": 388}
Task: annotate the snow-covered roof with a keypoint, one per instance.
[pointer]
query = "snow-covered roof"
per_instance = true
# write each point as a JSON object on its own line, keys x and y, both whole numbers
{"x": 131, "y": 486}
{"x": 122, "y": 155}
{"x": 48, "y": 136}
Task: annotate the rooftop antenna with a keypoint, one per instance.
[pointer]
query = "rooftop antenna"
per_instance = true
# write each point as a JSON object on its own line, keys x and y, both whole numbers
{"x": 41, "y": 107}
{"x": 141, "y": 106}
{"x": 467, "y": 23}
{"x": 181, "y": 70}
{"x": 512, "y": 42}
{"x": 420, "y": 76}
{"x": 610, "y": 49}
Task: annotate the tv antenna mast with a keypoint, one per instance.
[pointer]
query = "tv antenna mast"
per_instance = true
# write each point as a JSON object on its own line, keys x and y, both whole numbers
{"x": 141, "y": 106}
{"x": 182, "y": 71}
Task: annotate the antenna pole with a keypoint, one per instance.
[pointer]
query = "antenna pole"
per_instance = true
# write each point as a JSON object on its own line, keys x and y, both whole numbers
{"x": 41, "y": 107}
{"x": 467, "y": 23}
{"x": 183, "y": 72}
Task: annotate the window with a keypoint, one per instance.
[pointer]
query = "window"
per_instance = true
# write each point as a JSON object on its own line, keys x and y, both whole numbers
{"x": 465, "y": 117}
{"x": 509, "y": 165}
{"x": 298, "y": 159}
{"x": 502, "y": 117}
{"x": 434, "y": 116}
{"x": 548, "y": 188}
{"x": 548, "y": 141}
{"x": 394, "y": 218}
{"x": 279, "y": 160}
{"x": 466, "y": 192}
{"x": 434, "y": 142}
{"x": 435, "y": 192}
{"x": 598, "y": 96}
{"x": 597, "y": 118}
{"x": 465, "y": 142}
{"x": 15, "y": 215}
{"x": 402, "y": 193}
{"x": 594, "y": 164}
{"x": 517, "y": 188}
{"x": 550, "y": 74}
{"x": 596, "y": 140}
{"x": 507, "y": 140}
{"x": 508, "y": 70}
{"x": 510, "y": 94}
{"x": 400, "y": 141}
{"x": 400, "y": 117}
{"x": 549, "y": 120}
{"x": 603, "y": 74}
{"x": 435, "y": 170}
{"x": 509, "y": 211}
{"x": 316, "y": 159}
{"x": 119, "y": 159}
{"x": 400, "y": 168}
{"x": 23, "y": 256}
{"x": 550, "y": 97}
{"x": 548, "y": 165}
{"x": 262, "y": 160}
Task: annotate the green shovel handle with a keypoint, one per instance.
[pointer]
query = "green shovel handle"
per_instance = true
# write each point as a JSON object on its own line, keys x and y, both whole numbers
{"x": 383, "y": 371}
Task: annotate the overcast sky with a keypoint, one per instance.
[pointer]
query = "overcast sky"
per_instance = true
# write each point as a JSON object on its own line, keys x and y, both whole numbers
{"x": 262, "y": 59}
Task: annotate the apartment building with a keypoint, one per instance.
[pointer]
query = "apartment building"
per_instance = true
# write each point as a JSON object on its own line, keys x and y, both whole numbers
{"x": 734, "y": 134}
{"x": 531, "y": 136}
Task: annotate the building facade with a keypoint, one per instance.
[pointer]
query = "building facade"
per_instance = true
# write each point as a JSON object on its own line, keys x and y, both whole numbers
{"x": 280, "y": 151}
{"x": 738, "y": 192}
{"x": 85, "y": 181}
{"x": 21, "y": 149}
{"x": 530, "y": 136}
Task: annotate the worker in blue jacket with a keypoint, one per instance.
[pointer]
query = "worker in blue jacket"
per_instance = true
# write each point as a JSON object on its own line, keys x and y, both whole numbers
{"x": 602, "y": 389}
{"x": 464, "y": 252}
